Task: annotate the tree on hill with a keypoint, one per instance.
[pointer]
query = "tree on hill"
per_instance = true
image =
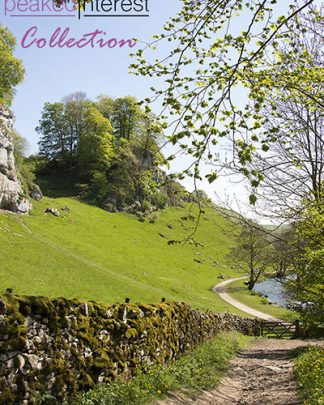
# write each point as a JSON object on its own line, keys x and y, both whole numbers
{"x": 60, "y": 127}
{"x": 125, "y": 115}
{"x": 125, "y": 119}
{"x": 106, "y": 105}
{"x": 121, "y": 179}
{"x": 132, "y": 173}
{"x": 54, "y": 130}
{"x": 75, "y": 106}
{"x": 284, "y": 250}
{"x": 96, "y": 143}
{"x": 24, "y": 166}
{"x": 132, "y": 124}
{"x": 252, "y": 251}
{"x": 307, "y": 290}
{"x": 11, "y": 68}
{"x": 111, "y": 146}
{"x": 147, "y": 142}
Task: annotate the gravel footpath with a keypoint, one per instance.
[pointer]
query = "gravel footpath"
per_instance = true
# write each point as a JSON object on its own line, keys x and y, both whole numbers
{"x": 262, "y": 374}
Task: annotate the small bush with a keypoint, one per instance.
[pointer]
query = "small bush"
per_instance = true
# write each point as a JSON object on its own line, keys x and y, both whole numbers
{"x": 153, "y": 218}
{"x": 159, "y": 200}
{"x": 309, "y": 371}
{"x": 146, "y": 206}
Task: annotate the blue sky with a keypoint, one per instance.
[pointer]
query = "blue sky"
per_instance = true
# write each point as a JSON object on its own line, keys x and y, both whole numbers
{"x": 52, "y": 73}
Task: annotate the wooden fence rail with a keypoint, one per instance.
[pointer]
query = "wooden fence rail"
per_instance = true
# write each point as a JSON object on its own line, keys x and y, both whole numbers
{"x": 280, "y": 330}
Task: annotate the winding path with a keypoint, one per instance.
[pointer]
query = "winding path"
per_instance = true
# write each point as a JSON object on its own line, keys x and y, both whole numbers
{"x": 221, "y": 289}
{"x": 261, "y": 374}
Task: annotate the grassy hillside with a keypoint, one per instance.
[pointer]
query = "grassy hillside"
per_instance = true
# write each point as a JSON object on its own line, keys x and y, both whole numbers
{"x": 90, "y": 254}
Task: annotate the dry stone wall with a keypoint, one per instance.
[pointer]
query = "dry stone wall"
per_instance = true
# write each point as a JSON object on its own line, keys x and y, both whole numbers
{"x": 11, "y": 193}
{"x": 56, "y": 347}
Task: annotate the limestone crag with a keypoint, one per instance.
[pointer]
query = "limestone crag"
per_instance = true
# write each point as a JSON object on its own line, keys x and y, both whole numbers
{"x": 11, "y": 192}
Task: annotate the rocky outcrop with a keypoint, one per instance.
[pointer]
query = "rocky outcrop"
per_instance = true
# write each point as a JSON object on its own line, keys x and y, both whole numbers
{"x": 11, "y": 192}
{"x": 35, "y": 192}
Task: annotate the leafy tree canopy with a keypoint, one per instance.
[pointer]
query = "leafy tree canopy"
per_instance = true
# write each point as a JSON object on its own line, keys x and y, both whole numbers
{"x": 11, "y": 68}
{"x": 209, "y": 60}
{"x": 96, "y": 144}
{"x": 308, "y": 288}
{"x": 111, "y": 148}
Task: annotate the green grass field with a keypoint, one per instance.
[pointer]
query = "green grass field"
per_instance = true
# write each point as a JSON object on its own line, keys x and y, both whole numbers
{"x": 91, "y": 254}
{"x": 94, "y": 255}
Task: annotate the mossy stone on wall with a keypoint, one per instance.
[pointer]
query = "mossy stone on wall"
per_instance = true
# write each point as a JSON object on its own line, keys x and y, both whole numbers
{"x": 55, "y": 347}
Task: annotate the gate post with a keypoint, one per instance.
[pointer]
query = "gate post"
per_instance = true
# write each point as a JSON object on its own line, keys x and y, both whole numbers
{"x": 297, "y": 329}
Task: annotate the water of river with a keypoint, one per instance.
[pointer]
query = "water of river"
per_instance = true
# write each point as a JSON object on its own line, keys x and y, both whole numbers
{"x": 274, "y": 291}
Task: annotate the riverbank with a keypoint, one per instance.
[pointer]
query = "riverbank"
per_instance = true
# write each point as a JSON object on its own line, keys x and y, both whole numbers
{"x": 238, "y": 291}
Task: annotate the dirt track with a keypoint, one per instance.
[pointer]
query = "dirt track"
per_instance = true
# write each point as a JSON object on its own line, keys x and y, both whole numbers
{"x": 262, "y": 374}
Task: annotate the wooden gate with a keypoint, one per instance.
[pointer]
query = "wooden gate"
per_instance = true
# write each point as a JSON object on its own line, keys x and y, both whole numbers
{"x": 280, "y": 330}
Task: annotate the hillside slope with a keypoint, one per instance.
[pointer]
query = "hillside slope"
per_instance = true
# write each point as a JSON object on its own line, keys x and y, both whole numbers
{"x": 90, "y": 254}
